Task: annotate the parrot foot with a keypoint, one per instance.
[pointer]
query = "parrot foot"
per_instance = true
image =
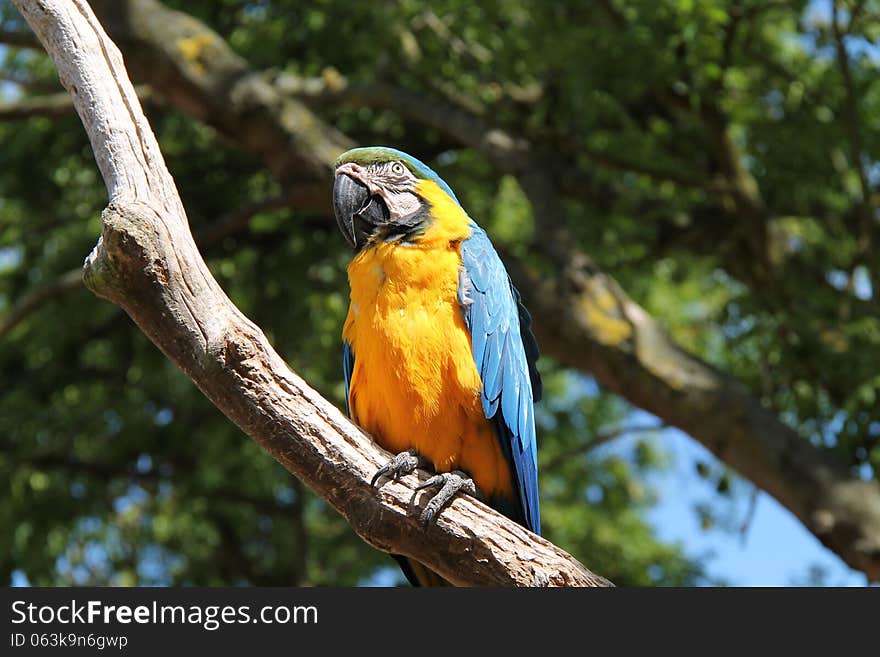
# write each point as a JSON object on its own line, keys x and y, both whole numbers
{"x": 449, "y": 483}
{"x": 402, "y": 464}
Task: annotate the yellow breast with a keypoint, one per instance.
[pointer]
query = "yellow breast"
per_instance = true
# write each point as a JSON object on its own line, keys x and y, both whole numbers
{"x": 415, "y": 384}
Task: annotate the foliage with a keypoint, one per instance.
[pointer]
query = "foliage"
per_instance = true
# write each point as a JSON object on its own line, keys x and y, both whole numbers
{"x": 713, "y": 174}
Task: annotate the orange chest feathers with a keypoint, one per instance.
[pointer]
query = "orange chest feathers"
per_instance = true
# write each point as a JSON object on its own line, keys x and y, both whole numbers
{"x": 414, "y": 383}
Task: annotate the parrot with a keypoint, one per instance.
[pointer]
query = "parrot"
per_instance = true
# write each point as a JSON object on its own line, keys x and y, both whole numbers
{"x": 439, "y": 358}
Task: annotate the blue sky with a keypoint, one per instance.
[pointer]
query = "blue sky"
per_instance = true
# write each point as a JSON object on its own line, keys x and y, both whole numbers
{"x": 775, "y": 550}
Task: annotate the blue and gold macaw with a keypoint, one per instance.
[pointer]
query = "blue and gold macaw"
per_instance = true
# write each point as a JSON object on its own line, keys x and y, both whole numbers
{"x": 438, "y": 355}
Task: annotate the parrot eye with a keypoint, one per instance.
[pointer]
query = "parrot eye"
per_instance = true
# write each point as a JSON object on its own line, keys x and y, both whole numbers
{"x": 397, "y": 169}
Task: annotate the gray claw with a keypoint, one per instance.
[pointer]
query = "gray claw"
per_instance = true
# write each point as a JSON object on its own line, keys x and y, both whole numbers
{"x": 449, "y": 483}
{"x": 402, "y": 464}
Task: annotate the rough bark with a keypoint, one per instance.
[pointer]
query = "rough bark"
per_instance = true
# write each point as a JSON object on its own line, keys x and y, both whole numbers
{"x": 147, "y": 262}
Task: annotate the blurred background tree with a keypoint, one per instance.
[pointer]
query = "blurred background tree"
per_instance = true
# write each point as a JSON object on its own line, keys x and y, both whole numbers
{"x": 718, "y": 158}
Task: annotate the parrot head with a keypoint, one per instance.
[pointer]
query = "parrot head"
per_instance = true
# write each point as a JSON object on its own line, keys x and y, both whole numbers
{"x": 376, "y": 195}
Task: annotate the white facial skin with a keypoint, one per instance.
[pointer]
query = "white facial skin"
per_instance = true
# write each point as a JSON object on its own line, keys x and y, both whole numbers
{"x": 393, "y": 181}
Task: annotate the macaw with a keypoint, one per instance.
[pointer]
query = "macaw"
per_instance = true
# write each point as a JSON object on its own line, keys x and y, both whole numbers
{"x": 438, "y": 353}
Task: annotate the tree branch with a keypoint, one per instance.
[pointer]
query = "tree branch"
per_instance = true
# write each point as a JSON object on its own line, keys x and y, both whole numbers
{"x": 309, "y": 197}
{"x": 201, "y": 75}
{"x": 597, "y": 441}
{"x": 303, "y": 196}
{"x": 35, "y": 298}
{"x": 851, "y": 103}
{"x": 147, "y": 262}
{"x": 49, "y": 106}
{"x": 18, "y": 39}
{"x": 853, "y": 128}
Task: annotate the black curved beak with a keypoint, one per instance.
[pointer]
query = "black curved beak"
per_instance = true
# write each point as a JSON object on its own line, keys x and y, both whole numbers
{"x": 357, "y": 213}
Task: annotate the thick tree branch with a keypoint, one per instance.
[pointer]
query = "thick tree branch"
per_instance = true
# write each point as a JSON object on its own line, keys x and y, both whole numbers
{"x": 147, "y": 262}
{"x": 453, "y": 120}
{"x": 467, "y": 127}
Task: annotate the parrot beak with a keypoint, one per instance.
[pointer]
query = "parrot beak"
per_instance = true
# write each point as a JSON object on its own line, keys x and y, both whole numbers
{"x": 357, "y": 212}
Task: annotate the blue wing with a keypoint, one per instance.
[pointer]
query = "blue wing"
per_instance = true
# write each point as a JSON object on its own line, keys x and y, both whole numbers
{"x": 505, "y": 352}
{"x": 347, "y": 369}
